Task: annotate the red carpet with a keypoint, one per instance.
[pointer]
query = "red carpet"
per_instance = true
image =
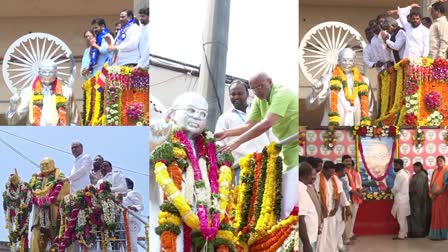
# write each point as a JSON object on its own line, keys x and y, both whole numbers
{"x": 374, "y": 218}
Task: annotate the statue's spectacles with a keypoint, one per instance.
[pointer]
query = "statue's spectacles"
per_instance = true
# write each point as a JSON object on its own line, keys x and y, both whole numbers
{"x": 195, "y": 112}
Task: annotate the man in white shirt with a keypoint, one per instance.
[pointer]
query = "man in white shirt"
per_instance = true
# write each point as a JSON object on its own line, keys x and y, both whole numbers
{"x": 438, "y": 32}
{"x": 143, "y": 45}
{"x": 116, "y": 178}
{"x": 417, "y": 35}
{"x": 80, "y": 175}
{"x": 308, "y": 218}
{"x": 379, "y": 47}
{"x": 134, "y": 202}
{"x": 395, "y": 38}
{"x": 343, "y": 211}
{"x": 401, "y": 208}
{"x": 330, "y": 195}
{"x": 238, "y": 92}
{"x": 370, "y": 59}
{"x": 125, "y": 49}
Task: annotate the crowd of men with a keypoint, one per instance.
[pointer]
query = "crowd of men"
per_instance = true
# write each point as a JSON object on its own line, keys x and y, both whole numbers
{"x": 127, "y": 45}
{"x": 411, "y": 35}
{"x": 330, "y": 195}
{"x": 87, "y": 172}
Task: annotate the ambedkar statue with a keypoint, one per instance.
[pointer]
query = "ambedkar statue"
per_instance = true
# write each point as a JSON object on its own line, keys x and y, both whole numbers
{"x": 46, "y": 102}
{"x": 48, "y": 189}
{"x": 348, "y": 99}
{"x": 190, "y": 176}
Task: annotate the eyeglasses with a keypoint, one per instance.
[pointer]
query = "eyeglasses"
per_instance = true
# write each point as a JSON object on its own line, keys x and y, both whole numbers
{"x": 193, "y": 112}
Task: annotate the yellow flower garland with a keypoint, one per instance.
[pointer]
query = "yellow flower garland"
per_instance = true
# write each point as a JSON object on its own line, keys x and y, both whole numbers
{"x": 97, "y": 119}
{"x": 267, "y": 215}
{"x": 44, "y": 191}
{"x": 289, "y": 221}
{"x": 169, "y": 218}
{"x": 88, "y": 93}
{"x": 175, "y": 196}
{"x": 338, "y": 81}
{"x": 245, "y": 171}
{"x": 225, "y": 181}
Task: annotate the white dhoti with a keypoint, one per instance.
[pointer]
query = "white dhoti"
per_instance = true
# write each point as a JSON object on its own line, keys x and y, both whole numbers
{"x": 328, "y": 239}
{"x": 134, "y": 230}
{"x": 401, "y": 212}
{"x": 350, "y": 225}
{"x": 340, "y": 223}
{"x": 290, "y": 191}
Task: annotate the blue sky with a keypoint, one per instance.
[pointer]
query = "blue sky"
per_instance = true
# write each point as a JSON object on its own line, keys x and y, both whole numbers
{"x": 125, "y": 147}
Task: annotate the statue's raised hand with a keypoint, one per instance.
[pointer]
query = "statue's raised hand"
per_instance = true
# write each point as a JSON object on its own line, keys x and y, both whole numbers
{"x": 318, "y": 85}
{"x": 160, "y": 131}
{"x": 14, "y": 101}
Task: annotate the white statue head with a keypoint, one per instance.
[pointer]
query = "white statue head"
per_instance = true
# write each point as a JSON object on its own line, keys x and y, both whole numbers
{"x": 189, "y": 111}
{"x": 346, "y": 59}
{"x": 47, "y": 71}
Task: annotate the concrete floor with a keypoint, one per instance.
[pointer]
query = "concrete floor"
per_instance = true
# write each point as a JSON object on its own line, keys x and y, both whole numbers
{"x": 386, "y": 244}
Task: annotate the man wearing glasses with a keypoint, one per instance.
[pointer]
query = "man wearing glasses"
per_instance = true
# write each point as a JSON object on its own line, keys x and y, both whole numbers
{"x": 275, "y": 107}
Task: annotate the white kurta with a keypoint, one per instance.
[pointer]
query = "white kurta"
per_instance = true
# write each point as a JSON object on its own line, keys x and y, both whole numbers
{"x": 398, "y": 45}
{"x": 368, "y": 56}
{"x": 118, "y": 181}
{"x": 80, "y": 175}
{"x": 417, "y": 39}
{"x": 328, "y": 239}
{"x": 128, "y": 52}
{"x": 401, "y": 208}
{"x": 134, "y": 199}
{"x": 308, "y": 210}
{"x": 380, "y": 49}
{"x": 340, "y": 223}
{"x": 350, "y": 115}
{"x": 143, "y": 48}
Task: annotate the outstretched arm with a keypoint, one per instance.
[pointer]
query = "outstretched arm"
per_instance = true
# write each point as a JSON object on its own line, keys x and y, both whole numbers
{"x": 259, "y": 128}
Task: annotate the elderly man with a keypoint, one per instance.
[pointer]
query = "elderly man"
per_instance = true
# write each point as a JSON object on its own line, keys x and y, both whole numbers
{"x": 46, "y": 102}
{"x": 80, "y": 175}
{"x": 343, "y": 103}
{"x": 237, "y": 116}
{"x": 45, "y": 214}
{"x": 133, "y": 201}
{"x": 275, "y": 107}
{"x": 395, "y": 38}
{"x": 125, "y": 49}
{"x": 438, "y": 32}
{"x": 116, "y": 178}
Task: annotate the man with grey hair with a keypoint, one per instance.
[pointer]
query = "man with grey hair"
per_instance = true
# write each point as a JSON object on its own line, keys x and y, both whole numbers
{"x": 348, "y": 108}
{"x": 80, "y": 175}
{"x": 44, "y": 102}
{"x": 395, "y": 38}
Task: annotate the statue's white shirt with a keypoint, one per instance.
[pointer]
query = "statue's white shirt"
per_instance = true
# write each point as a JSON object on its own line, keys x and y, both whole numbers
{"x": 349, "y": 115}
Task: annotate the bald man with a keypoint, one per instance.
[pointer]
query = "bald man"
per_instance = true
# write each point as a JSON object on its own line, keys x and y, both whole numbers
{"x": 275, "y": 107}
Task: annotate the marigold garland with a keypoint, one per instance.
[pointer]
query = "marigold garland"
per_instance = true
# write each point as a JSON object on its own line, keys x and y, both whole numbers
{"x": 57, "y": 98}
{"x": 267, "y": 216}
{"x": 338, "y": 81}
{"x": 126, "y": 228}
